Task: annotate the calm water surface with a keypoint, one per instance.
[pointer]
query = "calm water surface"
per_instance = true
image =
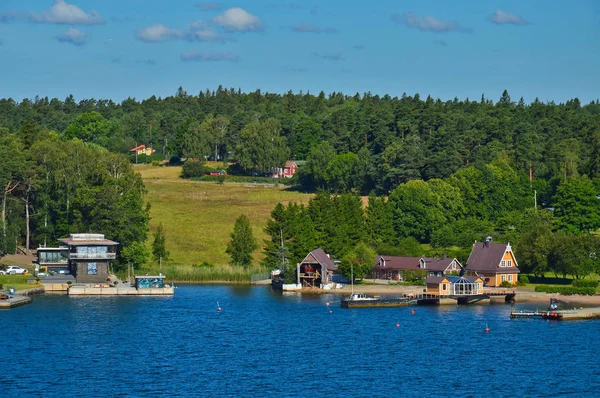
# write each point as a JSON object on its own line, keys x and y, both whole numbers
{"x": 267, "y": 344}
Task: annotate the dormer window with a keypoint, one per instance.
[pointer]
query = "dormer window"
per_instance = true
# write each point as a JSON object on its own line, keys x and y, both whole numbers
{"x": 503, "y": 263}
{"x": 509, "y": 263}
{"x": 422, "y": 263}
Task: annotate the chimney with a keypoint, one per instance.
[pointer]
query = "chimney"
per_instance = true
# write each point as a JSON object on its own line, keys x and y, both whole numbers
{"x": 487, "y": 242}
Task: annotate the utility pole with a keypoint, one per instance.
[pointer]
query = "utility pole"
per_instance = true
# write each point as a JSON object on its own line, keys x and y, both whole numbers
{"x": 535, "y": 199}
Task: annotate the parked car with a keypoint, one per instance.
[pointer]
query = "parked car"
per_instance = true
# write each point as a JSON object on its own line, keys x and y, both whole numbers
{"x": 14, "y": 270}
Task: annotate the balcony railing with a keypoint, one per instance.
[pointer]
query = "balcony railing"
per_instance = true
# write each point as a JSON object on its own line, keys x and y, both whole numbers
{"x": 60, "y": 261}
{"x": 92, "y": 256}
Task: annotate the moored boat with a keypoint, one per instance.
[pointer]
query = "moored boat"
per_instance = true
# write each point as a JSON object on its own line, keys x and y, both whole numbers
{"x": 361, "y": 300}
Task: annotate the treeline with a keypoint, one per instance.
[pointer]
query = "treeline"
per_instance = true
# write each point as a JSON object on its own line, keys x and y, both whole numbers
{"x": 52, "y": 187}
{"x": 364, "y": 143}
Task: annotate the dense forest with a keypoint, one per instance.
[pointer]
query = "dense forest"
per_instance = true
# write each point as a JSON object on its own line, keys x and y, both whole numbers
{"x": 451, "y": 171}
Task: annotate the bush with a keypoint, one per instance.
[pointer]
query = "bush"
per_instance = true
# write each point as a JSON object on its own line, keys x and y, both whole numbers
{"x": 192, "y": 168}
{"x": 523, "y": 279}
{"x": 247, "y": 180}
{"x": 506, "y": 284}
{"x": 175, "y": 161}
{"x": 585, "y": 283}
{"x": 565, "y": 289}
{"x": 204, "y": 264}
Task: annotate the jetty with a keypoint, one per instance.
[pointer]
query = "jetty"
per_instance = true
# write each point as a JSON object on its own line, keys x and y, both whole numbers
{"x": 559, "y": 315}
{"x": 8, "y": 301}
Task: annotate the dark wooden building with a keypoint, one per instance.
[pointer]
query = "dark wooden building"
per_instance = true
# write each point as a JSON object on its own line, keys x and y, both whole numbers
{"x": 89, "y": 256}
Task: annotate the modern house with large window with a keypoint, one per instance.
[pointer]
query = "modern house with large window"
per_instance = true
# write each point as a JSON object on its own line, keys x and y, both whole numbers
{"x": 86, "y": 256}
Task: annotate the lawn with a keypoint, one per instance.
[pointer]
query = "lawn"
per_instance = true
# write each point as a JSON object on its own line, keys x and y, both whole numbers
{"x": 17, "y": 281}
{"x": 198, "y": 217}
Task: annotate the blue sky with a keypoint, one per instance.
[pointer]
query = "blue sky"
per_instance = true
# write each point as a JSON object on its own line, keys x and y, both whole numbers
{"x": 116, "y": 49}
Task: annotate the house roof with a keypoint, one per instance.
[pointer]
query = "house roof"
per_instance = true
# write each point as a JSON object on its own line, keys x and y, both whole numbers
{"x": 290, "y": 163}
{"x": 435, "y": 279}
{"x": 486, "y": 257}
{"x": 87, "y": 240}
{"x": 137, "y": 148}
{"x": 394, "y": 262}
{"x": 412, "y": 263}
{"x": 318, "y": 256}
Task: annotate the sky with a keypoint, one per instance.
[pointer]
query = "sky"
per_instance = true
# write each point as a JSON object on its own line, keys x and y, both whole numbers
{"x": 138, "y": 48}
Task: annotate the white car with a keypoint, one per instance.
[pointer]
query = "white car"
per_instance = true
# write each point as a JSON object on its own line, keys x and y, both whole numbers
{"x": 14, "y": 270}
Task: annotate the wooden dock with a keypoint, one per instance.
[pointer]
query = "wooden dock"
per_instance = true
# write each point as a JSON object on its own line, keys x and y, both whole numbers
{"x": 558, "y": 315}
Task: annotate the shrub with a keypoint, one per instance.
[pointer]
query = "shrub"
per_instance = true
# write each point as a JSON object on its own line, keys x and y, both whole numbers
{"x": 506, "y": 284}
{"x": 175, "y": 161}
{"x": 192, "y": 168}
{"x": 585, "y": 283}
{"x": 565, "y": 289}
{"x": 523, "y": 279}
{"x": 204, "y": 264}
{"x": 156, "y": 163}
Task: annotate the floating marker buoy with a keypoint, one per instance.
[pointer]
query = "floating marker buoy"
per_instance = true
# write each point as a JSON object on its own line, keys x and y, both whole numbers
{"x": 397, "y": 325}
{"x": 327, "y": 303}
{"x": 412, "y": 312}
{"x": 487, "y": 330}
{"x": 218, "y": 307}
{"x": 331, "y": 312}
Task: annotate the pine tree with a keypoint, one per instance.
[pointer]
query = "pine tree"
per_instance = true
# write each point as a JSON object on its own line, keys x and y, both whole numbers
{"x": 242, "y": 242}
{"x": 159, "y": 249}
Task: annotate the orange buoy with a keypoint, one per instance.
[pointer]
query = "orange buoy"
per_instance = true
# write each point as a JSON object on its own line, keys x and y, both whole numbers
{"x": 412, "y": 312}
{"x": 397, "y": 325}
{"x": 487, "y": 330}
{"x": 218, "y": 307}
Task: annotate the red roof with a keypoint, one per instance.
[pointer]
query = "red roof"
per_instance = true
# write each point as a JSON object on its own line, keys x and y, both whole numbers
{"x": 138, "y": 148}
{"x": 290, "y": 164}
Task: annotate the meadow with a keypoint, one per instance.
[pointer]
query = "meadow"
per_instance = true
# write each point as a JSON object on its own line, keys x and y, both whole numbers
{"x": 198, "y": 217}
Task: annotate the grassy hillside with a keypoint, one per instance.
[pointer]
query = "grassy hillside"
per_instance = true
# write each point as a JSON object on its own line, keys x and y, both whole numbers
{"x": 198, "y": 217}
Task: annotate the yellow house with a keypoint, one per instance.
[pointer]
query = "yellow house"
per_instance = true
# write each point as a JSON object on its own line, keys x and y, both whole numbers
{"x": 454, "y": 285}
{"x": 493, "y": 262}
{"x": 142, "y": 150}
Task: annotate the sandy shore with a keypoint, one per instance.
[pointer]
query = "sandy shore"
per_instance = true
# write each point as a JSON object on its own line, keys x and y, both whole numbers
{"x": 523, "y": 295}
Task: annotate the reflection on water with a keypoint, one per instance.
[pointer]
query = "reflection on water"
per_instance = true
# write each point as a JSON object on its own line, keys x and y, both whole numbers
{"x": 265, "y": 343}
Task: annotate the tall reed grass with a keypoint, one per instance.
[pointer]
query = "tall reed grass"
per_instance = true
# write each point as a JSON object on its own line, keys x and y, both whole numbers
{"x": 205, "y": 274}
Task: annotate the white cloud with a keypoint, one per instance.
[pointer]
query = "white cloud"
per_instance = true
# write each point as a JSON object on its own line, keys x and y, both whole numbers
{"x": 157, "y": 33}
{"x": 209, "y": 6}
{"x": 64, "y": 13}
{"x": 191, "y": 56}
{"x": 500, "y": 17}
{"x": 238, "y": 20}
{"x": 73, "y": 36}
{"x": 310, "y": 28}
{"x": 201, "y": 31}
{"x": 427, "y": 23}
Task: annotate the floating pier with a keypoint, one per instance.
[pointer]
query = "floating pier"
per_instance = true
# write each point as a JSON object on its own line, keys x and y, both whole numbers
{"x": 559, "y": 315}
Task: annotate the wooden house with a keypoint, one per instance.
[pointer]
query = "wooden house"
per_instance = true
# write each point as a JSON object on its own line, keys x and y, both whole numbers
{"x": 391, "y": 267}
{"x": 454, "y": 285}
{"x": 89, "y": 256}
{"x": 217, "y": 173}
{"x": 317, "y": 269}
{"x": 493, "y": 262}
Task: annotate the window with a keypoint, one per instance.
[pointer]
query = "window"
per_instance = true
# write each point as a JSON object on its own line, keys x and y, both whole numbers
{"x": 453, "y": 265}
{"x": 503, "y": 263}
{"x": 92, "y": 268}
{"x": 444, "y": 286}
{"x": 509, "y": 263}
{"x": 510, "y": 278}
{"x": 503, "y": 278}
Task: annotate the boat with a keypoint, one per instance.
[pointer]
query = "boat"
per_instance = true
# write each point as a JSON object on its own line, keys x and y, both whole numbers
{"x": 362, "y": 300}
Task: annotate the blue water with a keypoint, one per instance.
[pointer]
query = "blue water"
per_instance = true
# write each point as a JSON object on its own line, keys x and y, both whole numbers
{"x": 264, "y": 343}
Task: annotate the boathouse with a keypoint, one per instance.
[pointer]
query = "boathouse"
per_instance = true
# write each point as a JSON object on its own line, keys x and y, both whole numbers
{"x": 454, "y": 285}
{"x": 317, "y": 269}
{"x": 393, "y": 267}
{"x": 493, "y": 262}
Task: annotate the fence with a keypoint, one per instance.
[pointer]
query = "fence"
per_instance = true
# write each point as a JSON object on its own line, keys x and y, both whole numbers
{"x": 260, "y": 277}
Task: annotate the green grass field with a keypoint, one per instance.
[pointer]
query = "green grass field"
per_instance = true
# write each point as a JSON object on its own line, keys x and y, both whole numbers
{"x": 198, "y": 217}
